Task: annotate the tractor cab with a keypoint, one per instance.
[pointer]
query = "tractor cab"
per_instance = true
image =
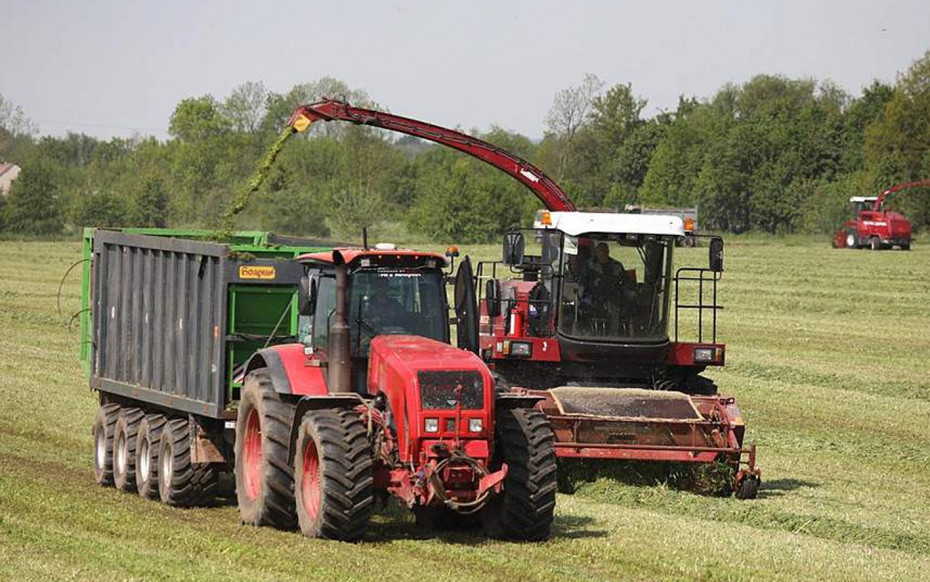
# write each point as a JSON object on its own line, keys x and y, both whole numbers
{"x": 388, "y": 292}
{"x": 596, "y": 300}
{"x": 860, "y": 204}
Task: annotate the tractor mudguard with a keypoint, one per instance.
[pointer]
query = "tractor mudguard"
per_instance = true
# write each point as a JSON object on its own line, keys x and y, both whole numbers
{"x": 290, "y": 374}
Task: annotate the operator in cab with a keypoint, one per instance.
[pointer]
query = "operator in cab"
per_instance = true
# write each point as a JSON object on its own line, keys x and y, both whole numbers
{"x": 609, "y": 291}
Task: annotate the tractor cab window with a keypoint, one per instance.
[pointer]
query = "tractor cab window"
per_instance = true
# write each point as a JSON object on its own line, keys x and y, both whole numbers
{"x": 615, "y": 286}
{"x": 395, "y": 302}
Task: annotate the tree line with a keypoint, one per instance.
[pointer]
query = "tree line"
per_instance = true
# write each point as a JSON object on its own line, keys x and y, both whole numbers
{"x": 773, "y": 154}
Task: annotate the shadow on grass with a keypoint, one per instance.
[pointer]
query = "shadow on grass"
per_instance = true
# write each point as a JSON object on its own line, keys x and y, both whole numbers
{"x": 780, "y": 487}
{"x": 394, "y": 523}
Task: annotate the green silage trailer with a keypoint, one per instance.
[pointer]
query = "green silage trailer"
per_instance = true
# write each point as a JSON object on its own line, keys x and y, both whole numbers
{"x": 169, "y": 319}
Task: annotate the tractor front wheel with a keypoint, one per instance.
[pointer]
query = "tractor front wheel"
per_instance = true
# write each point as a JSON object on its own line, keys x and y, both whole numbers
{"x": 851, "y": 241}
{"x": 333, "y": 479}
{"x": 264, "y": 475}
{"x": 524, "y": 509}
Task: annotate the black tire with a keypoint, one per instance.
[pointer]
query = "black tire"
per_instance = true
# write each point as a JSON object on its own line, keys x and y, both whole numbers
{"x": 906, "y": 247}
{"x": 748, "y": 488}
{"x": 148, "y": 442}
{"x": 124, "y": 449}
{"x": 264, "y": 474}
{"x": 875, "y": 244}
{"x": 701, "y": 386}
{"x": 180, "y": 482}
{"x": 104, "y": 427}
{"x": 334, "y": 486}
{"x": 524, "y": 509}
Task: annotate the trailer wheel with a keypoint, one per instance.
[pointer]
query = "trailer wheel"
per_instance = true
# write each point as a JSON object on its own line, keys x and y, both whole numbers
{"x": 334, "y": 486}
{"x": 104, "y": 427}
{"x": 264, "y": 474}
{"x": 124, "y": 449}
{"x": 147, "y": 445}
{"x": 180, "y": 482}
{"x": 523, "y": 511}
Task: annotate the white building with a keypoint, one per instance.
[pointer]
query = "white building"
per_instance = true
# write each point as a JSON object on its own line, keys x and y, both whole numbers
{"x": 8, "y": 173}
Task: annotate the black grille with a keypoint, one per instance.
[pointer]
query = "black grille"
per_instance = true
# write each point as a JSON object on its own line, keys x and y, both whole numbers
{"x": 438, "y": 390}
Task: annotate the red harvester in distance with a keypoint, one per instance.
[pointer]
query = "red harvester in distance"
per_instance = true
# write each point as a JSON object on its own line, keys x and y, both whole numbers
{"x": 874, "y": 227}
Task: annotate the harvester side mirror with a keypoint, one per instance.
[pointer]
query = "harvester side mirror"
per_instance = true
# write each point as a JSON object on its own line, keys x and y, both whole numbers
{"x": 306, "y": 293}
{"x": 492, "y": 295}
{"x": 716, "y": 254}
{"x": 514, "y": 246}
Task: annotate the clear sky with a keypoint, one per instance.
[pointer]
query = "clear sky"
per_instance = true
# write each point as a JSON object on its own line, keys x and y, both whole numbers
{"x": 113, "y": 67}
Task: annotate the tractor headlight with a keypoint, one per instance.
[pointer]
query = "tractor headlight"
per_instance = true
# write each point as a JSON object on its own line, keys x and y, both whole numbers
{"x": 475, "y": 425}
{"x": 703, "y": 354}
{"x": 431, "y": 425}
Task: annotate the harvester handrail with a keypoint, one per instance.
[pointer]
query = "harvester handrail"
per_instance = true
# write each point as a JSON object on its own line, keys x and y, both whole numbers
{"x": 700, "y": 306}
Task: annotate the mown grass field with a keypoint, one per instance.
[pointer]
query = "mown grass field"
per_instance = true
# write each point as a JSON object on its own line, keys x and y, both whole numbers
{"x": 828, "y": 354}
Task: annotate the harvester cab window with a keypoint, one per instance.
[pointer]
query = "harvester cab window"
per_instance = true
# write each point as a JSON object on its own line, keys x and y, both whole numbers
{"x": 395, "y": 302}
{"x": 615, "y": 286}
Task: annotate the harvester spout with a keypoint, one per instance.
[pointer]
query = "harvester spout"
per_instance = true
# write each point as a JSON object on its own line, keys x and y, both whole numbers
{"x": 340, "y": 362}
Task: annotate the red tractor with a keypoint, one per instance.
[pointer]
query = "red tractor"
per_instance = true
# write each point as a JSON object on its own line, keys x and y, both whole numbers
{"x": 374, "y": 401}
{"x": 874, "y": 227}
{"x": 593, "y": 347}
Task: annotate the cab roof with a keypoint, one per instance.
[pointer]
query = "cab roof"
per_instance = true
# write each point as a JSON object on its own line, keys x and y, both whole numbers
{"x": 579, "y": 223}
{"x": 351, "y": 255}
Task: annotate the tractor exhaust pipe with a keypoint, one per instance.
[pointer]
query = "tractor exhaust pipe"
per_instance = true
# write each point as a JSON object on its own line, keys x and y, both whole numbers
{"x": 340, "y": 361}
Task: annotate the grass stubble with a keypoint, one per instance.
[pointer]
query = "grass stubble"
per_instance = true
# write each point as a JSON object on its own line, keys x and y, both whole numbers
{"x": 828, "y": 356}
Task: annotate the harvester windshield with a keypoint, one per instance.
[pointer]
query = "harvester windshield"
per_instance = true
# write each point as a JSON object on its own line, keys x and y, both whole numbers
{"x": 615, "y": 286}
{"x": 395, "y": 302}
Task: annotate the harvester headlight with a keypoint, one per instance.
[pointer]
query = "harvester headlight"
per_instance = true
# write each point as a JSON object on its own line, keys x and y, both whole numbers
{"x": 703, "y": 354}
{"x": 475, "y": 425}
{"x": 431, "y": 425}
{"x": 521, "y": 349}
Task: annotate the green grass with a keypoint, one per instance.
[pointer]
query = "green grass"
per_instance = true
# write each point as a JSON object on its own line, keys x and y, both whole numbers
{"x": 828, "y": 355}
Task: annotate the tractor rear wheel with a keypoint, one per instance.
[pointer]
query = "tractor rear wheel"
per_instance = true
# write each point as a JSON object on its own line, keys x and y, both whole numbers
{"x": 264, "y": 474}
{"x": 180, "y": 482}
{"x": 333, "y": 482}
{"x": 524, "y": 509}
{"x": 104, "y": 427}
{"x": 124, "y": 449}
{"x": 147, "y": 447}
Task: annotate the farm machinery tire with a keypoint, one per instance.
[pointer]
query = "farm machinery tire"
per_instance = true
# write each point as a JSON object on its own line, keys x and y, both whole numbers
{"x": 747, "y": 488}
{"x": 124, "y": 448}
{"x": 851, "y": 241}
{"x": 875, "y": 244}
{"x": 906, "y": 247}
{"x": 147, "y": 449}
{"x": 180, "y": 482}
{"x": 524, "y": 509}
{"x": 264, "y": 475}
{"x": 334, "y": 486}
{"x": 104, "y": 428}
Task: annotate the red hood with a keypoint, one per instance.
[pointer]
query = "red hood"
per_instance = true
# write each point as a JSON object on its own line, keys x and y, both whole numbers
{"x": 419, "y": 353}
